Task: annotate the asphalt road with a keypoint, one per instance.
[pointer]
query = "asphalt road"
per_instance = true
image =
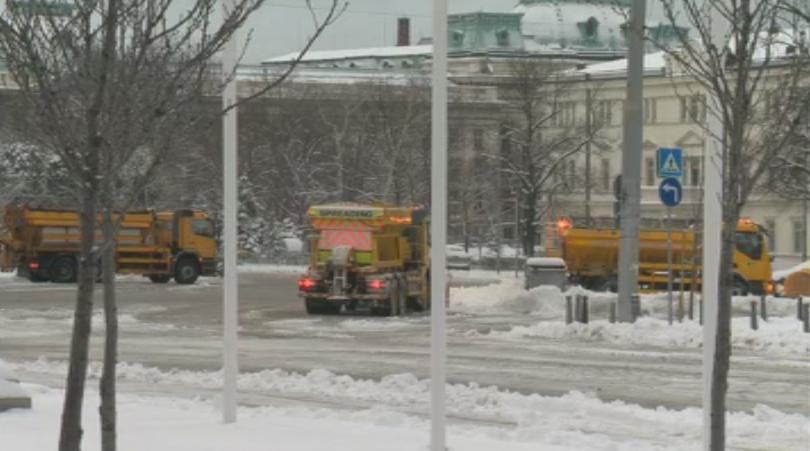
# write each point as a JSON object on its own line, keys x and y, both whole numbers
{"x": 171, "y": 326}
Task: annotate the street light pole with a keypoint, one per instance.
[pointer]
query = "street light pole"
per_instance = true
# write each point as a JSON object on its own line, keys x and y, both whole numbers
{"x": 630, "y": 196}
{"x": 438, "y": 205}
{"x": 230, "y": 299}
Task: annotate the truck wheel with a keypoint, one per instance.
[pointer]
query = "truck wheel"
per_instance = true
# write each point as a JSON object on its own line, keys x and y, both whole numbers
{"x": 403, "y": 296}
{"x": 610, "y": 285}
{"x": 186, "y": 271}
{"x": 313, "y": 306}
{"x": 740, "y": 287}
{"x": 393, "y": 296}
{"x": 63, "y": 270}
{"x": 160, "y": 278}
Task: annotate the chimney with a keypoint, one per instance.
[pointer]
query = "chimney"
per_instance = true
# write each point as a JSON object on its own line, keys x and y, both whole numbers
{"x": 403, "y": 32}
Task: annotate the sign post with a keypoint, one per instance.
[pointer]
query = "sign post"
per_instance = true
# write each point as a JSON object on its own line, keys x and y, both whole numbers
{"x": 671, "y": 194}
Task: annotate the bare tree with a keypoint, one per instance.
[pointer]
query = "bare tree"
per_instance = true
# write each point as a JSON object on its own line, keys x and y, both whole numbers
{"x": 762, "y": 53}
{"x": 103, "y": 82}
{"x": 544, "y": 133}
{"x": 788, "y": 175}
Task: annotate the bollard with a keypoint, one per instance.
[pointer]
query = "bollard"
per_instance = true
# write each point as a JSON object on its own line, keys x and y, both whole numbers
{"x": 568, "y": 315}
{"x": 754, "y": 325}
{"x": 635, "y": 302}
{"x": 612, "y": 312}
{"x": 691, "y": 307}
{"x": 806, "y": 319}
{"x": 577, "y": 302}
{"x": 680, "y": 308}
{"x": 799, "y": 308}
{"x": 585, "y": 312}
{"x": 763, "y": 307}
{"x": 701, "y": 311}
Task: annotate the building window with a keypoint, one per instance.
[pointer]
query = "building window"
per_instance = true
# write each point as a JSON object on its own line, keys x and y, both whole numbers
{"x": 478, "y": 140}
{"x": 605, "y": 176}
{"x": 693, "y": 108}
{"x": 604, "y": 112}
{"x": 693, "y": 168}
{"x": 572, "y": 174}
{"x": 770, "y": 224}
{"x": 458, "y": 38}
{"x": 650, "y": 110}
{"x": 798, "y": 236}
{"x": 502, "y": 37}
{"x": 649, "y": 171}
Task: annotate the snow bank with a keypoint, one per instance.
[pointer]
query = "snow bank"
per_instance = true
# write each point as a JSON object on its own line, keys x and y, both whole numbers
{"x": 778, "y": 275}
{"x": 506, "y": 421}
{"x": 777, "y": 336}
{"x": 781, "y": 334}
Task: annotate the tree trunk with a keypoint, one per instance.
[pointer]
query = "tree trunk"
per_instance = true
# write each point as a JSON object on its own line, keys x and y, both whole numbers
{"x": 529, "y": 227}
{"x": 722, "y": 356}
{"x": 107, "y": 388}
{"x": 71, "y": 432}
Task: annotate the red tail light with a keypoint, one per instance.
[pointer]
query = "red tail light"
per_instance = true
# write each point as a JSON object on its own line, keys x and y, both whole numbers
{"x": 306, "y": 284}
{"x": 33, "y": 265}
{"x": 376, "y": 284}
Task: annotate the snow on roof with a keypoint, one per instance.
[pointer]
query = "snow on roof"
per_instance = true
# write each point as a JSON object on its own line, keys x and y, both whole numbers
{"x": 332, "y": 75}
{"x": 652, "y": 62}
{"x": 772, "y": 47}
{"x": 371, "y": 52}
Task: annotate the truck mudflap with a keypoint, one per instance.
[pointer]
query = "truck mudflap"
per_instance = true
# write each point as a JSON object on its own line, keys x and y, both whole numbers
{"x": 208, "y": 268}
{"x": 353, "y": 297}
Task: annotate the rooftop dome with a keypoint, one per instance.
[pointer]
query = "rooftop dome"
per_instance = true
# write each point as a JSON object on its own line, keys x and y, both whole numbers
{"x": 574, "y": 23}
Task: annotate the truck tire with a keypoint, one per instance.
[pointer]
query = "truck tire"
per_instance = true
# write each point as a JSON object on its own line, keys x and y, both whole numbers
{"x": 740, "y": 287}
{"x": 63, "y": 270}
{"x": 609, "y": 285}
{"x": 393, "y": 296}
{"x": 160, "y": 278}
{"x": 186, "y": 270}
{"x": 403, "y": 295}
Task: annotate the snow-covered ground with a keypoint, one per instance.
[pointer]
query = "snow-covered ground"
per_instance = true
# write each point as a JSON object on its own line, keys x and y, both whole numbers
{"x": 315, "y": 409}
{"x": 493, "y": 420}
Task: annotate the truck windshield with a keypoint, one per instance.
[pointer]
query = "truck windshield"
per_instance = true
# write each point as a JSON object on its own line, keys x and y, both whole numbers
{"x": 203, "y": 227}
{"x": 750, "y": 244}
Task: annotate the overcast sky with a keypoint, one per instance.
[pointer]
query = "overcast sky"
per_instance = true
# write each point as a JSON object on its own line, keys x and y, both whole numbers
{"x": 282, "y": 26}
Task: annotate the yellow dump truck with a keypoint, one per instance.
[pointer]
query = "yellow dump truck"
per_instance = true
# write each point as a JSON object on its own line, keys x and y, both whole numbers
{"x": 43, "y": 245}
{"x": 367, "y": 256}
{"x": 592, "y": 256}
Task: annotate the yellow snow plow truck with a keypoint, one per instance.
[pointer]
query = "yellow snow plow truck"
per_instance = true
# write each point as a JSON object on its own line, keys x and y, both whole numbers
{"x": 367, "y": 256}
{"x": 592, "y": 257}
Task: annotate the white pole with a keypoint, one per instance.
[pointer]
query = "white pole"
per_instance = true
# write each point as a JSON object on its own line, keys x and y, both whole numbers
{"x": 712, "y": 227}
{"x": 230, "y": 300}
{"x": 438, "y": 201}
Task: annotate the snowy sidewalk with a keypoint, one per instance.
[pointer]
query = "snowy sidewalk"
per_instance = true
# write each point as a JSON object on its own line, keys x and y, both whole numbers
{"x": 391, "y": 411}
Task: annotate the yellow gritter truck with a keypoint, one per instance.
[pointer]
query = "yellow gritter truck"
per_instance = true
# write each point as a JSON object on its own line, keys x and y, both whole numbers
{"x": 43, "y": 245}
{"x": 374, "y": 256}
{"x": 592, "y": 256}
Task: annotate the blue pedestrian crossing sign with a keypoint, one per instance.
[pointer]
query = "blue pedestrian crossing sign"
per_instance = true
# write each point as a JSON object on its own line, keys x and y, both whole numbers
{"x": 670, "y": 162}
{"x": 671, "y": 192}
